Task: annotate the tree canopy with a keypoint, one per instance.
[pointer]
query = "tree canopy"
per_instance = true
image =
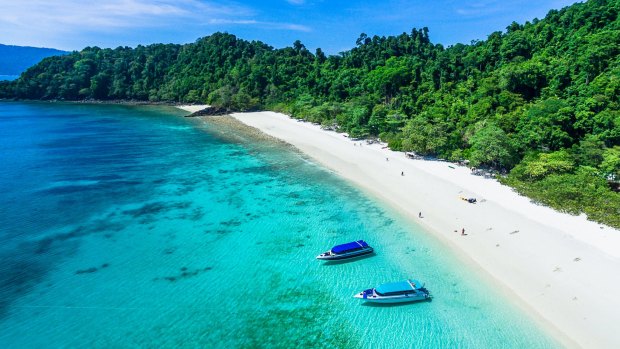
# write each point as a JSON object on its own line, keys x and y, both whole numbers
{"x": 539, "y": 101}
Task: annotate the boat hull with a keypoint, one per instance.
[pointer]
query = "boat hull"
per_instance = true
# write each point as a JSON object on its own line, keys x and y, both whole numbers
{"x": 334, "y": 257}
{"x": 400, "y": 299}
{"x": 396, "y": 292}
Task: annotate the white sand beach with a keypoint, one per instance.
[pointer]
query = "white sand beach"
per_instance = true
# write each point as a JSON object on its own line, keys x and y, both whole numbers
{"x": 562, "y": 269}
{"x": 192, "y": 108}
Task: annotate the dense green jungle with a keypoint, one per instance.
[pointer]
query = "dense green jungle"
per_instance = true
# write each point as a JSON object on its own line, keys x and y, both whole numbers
{"x": 538, "y": 103}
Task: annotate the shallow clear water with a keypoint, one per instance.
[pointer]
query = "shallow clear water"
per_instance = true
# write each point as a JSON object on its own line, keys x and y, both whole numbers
{"x": 133, "y": 227}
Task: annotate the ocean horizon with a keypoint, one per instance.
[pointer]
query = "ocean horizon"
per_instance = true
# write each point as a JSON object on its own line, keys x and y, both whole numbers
{"x": 131, "y": 226}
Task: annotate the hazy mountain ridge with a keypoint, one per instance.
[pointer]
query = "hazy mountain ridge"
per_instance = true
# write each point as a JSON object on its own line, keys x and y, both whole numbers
{"x": 14, "y": 60}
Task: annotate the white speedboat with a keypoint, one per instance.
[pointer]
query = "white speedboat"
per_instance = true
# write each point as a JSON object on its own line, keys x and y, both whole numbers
{"x": 396, "y": 292}
{"x": 348, "y": 250}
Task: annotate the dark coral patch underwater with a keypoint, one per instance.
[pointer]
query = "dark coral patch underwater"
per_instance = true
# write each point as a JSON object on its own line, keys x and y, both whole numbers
{"x": 154, "y": 208}
{"x": 184, "y": 274}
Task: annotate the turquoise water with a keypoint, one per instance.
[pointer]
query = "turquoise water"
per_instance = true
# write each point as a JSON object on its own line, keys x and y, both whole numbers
{"x": 133, "y": 227}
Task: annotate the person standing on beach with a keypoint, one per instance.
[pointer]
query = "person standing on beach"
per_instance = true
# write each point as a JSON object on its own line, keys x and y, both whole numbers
{"x": 463, "y": 232}
{"x": 420, "y": 215}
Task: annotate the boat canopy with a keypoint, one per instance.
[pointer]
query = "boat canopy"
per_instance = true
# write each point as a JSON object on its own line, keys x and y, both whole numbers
{"x": 355, "y": 245}
{"x": 394, "y": 287}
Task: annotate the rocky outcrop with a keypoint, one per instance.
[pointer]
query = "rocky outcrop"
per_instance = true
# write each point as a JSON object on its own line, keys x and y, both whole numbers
{"x": 212, "y": 111}
{"x": 219, "y": 111}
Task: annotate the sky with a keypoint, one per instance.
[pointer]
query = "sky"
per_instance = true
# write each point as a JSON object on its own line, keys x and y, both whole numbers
{"x": 332, "y": 25}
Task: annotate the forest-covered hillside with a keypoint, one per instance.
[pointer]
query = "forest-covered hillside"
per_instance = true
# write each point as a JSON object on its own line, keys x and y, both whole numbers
{"x": 539, "y": 101}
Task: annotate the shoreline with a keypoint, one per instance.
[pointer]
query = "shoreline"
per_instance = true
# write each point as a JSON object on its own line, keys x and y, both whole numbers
{"x": 568, "y": 264}
{"x": 191, "y": 108}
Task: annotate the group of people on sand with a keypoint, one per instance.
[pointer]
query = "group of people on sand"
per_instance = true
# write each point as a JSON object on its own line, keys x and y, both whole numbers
{"x": 462, "y": 230}
{"x": 470, "y": 200}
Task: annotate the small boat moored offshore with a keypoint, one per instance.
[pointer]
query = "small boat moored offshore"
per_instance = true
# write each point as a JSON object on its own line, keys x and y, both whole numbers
{"x": 348, "y": 250}
{"x": 396, "y": 292}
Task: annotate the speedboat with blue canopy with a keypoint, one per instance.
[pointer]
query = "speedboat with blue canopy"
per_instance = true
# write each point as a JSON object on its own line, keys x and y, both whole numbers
{"x": 348, "y": 250}
{"x": 396, "y": 292}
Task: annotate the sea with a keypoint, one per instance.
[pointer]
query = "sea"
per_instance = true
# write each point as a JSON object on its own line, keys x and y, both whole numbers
{"x": 135, "y": 227}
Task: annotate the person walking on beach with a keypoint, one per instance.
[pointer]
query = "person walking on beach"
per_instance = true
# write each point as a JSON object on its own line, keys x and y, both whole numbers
{"x": 402, "y": 173}
{"x": 420, "y": 215}
{"x": 463, "y": 232}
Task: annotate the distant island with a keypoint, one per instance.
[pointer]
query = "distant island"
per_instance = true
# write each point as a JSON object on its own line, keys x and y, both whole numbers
{"x": 14, "y": 60}
{"x": 538, "y": 103}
